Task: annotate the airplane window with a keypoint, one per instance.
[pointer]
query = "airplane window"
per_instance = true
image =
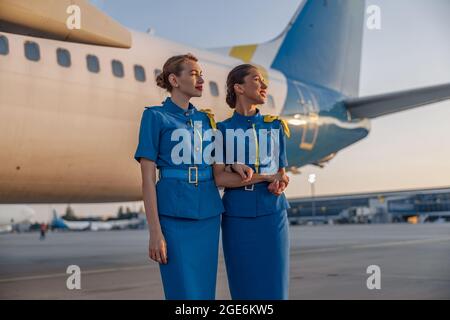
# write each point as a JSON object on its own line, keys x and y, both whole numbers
{"x": 63, "y": 57}
{"x": 32, "y": 51}
{"x": 214, "y": 89}
{"x": 117, "y": 68}
{"x": 139, "y": 73}
{"x": 157, "y": 72}
{"x": 4, "y": 46}
{"x": 270, "y": 101}
{"x": 92, "y": 63}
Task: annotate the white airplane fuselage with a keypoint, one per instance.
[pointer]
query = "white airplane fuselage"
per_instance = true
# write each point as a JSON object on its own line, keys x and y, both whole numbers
{"x": 69, "y": 135}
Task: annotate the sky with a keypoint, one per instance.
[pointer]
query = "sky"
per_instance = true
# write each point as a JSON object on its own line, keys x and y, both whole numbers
{"x": 408, "y": 150}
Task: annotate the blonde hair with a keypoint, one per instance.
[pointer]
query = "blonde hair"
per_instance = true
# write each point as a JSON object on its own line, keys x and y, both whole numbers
{"x": 173, "y": 65}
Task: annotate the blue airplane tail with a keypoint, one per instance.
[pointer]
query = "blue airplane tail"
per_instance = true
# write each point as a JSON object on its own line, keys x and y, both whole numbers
{"x": 322, "y": 45}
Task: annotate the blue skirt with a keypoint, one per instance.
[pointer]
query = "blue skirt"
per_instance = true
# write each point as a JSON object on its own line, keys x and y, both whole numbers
{"x": 192, "y": 254}
{"x": 256, "y": 252}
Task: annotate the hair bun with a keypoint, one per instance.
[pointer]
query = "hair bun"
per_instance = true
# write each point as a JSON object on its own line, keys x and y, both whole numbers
{"x": 160, "y": 81}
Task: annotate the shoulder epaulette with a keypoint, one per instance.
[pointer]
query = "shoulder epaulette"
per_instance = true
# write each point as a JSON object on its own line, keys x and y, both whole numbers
{"x": 270, "y": 118}
{"x": 210, "y": 115}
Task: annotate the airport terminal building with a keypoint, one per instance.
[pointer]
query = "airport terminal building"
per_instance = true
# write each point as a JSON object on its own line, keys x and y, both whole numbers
{"x": 414, "y": 206}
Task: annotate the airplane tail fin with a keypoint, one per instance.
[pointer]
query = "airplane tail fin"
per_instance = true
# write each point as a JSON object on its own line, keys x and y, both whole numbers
{"x": 321, "y": 44}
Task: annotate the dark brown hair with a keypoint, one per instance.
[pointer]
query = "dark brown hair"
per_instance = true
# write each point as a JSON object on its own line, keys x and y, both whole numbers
{"x": 236, "y": 75}
{"x": 173, "y": 65}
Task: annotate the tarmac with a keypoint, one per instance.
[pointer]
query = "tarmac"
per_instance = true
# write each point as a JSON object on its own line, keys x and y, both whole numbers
{"x": 326, "y": 262}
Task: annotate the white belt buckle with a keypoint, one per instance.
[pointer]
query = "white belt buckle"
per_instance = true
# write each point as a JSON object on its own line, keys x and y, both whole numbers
{"x": 196, "y": 175}
{"x": 249, "y": 187}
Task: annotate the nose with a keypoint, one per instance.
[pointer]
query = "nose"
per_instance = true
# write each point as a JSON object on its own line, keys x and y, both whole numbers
{"x": 263, "y": 85}
{"x": 200, "y": 80}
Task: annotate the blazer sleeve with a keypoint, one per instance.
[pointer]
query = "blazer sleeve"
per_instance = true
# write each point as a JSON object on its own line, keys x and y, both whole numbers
{"x": 149, "y": 136}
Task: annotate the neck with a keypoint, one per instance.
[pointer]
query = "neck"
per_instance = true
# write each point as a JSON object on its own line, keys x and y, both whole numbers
{"x": 180, "y": 99}
{"x": 245, "y": 108}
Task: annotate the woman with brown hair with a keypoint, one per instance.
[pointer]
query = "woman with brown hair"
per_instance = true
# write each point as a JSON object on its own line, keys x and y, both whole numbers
{"x": 254, "y": 224}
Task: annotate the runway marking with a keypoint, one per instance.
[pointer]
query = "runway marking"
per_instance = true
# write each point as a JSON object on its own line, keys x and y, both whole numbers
{"x": 376, "y": 245}
{"x": 56, "y": 275}
{"x": 400, "y": 243}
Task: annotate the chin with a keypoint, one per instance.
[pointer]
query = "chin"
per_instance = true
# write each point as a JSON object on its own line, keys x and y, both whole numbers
{"x": 261, "y": 101}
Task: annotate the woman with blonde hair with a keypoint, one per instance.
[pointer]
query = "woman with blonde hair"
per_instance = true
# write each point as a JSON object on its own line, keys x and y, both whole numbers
{"x": 183, "y": 208}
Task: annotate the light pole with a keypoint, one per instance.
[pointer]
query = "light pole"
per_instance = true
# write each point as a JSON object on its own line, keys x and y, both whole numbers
{"x": 312, "y": 180}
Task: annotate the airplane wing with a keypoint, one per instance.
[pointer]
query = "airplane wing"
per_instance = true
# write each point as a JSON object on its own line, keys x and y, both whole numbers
{"x": 380, "y": 105}
{"x": 47, "y": 19}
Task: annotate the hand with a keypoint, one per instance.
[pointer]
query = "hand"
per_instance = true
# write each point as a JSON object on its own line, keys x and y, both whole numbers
{"x": 279, "y": 176}
{"x": 282, "y": 187}
{"x": 279, "y": 183}
{"x": 273, "y": 187}
{"x": 157, "y": 247}
{"x": 244, "y": 171}
{"x": 277, "y": 187}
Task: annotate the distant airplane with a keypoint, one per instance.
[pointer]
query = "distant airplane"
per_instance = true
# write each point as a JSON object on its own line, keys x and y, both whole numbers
{"x": 71, "y": 99}
{"x": 60, "y": 223}
{"x": 84, "y": 225}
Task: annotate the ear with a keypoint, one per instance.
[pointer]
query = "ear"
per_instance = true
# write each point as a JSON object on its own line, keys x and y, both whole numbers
{"x": 173, "y": 80}
{"x": 238, "y": 88}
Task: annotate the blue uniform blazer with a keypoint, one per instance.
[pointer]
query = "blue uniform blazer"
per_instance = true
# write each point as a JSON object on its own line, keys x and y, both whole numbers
{"x": 270, "y": 157}
{"x": 176, "y": 197}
